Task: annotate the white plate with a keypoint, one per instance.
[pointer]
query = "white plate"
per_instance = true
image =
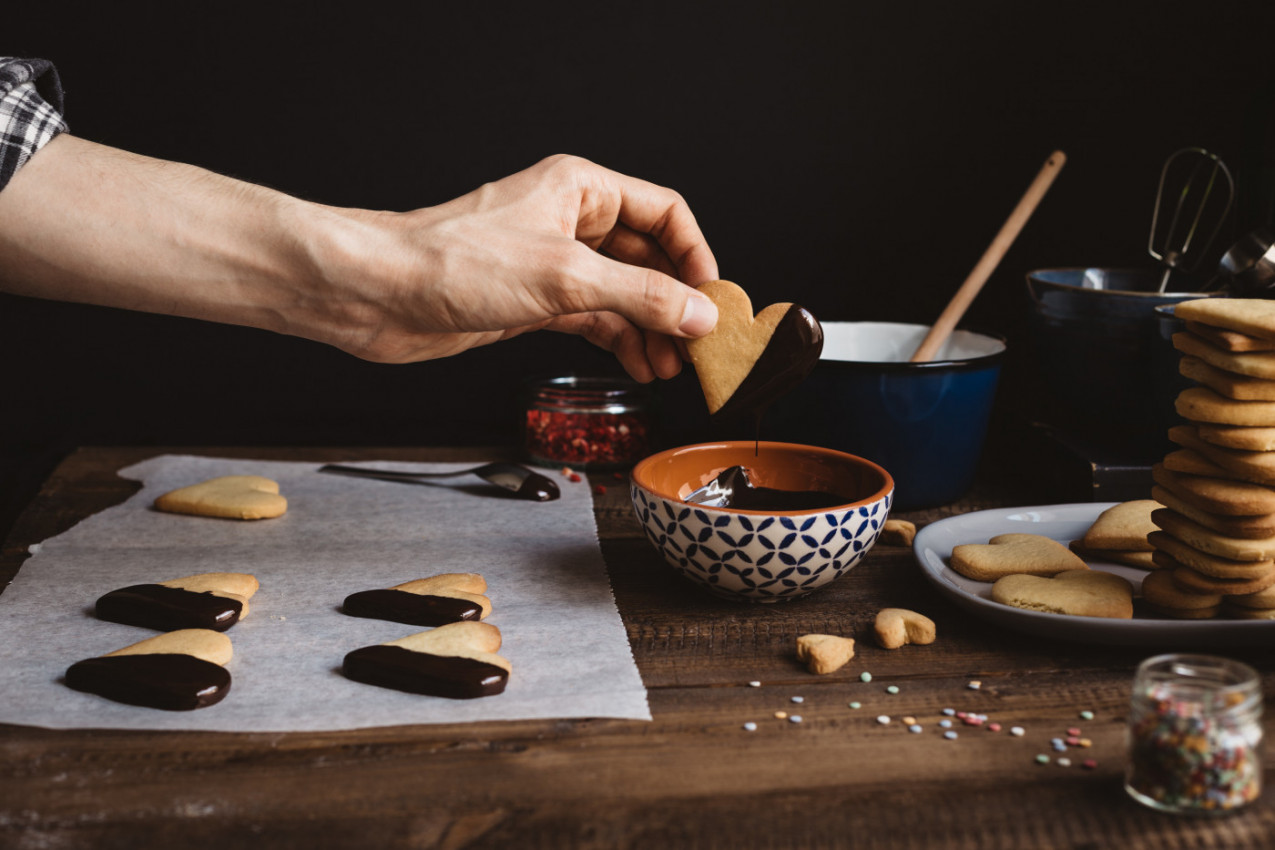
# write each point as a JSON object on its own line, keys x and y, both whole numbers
{"x": 1064, "y": 523}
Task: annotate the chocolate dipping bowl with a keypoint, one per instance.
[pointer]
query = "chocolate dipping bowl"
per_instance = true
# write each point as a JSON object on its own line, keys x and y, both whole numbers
{"x": 761, "y": 555}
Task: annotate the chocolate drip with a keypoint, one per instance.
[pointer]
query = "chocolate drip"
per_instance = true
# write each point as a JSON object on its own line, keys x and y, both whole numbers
{"x": 422, "y": 673}
{"x": 416, "y": 609}
{"x": 173, "y": 682}
{"x": 156, "y": 606}
{"x": 789, "y": 356}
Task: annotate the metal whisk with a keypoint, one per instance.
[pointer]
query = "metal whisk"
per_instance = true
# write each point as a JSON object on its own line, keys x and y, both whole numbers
{"x": 1188, "y": 217}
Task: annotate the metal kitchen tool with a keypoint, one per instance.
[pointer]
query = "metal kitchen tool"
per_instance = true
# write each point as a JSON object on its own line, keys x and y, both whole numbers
{"x": 522, "y": 482}
{"x": 1192, "y": 201}
{"x": 1249, "y": 265}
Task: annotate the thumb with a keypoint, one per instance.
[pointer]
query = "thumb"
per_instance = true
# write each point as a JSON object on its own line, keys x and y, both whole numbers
{"x": 647, "y": 298}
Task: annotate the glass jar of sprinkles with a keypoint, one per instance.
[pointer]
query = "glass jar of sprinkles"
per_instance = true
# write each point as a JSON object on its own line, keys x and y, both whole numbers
{"x": 1195, "y": 735}
{"x": 587, "y": 423}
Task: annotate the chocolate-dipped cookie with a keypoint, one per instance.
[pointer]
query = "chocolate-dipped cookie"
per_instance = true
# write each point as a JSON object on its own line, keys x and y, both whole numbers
{"x": 747, "y": 361}
{"x": 456, "y": 661}
{"x": 434, "y": 601}
{"x": 176, "y": 671}
{"x": 205, "y": 601}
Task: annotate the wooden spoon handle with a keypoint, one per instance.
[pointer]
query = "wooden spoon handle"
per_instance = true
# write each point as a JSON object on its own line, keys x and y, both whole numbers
{"x": 995, "y": 252}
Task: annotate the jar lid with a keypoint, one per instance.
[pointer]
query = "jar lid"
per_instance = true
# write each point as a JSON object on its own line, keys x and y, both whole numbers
{"x": 577, "y": 393}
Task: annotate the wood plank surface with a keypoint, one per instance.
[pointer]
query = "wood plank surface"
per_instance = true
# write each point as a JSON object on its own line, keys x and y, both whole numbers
{"x": 693, "y": 777}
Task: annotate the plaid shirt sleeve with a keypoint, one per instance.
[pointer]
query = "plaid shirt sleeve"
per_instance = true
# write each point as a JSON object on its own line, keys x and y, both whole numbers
{"x": 30, "y": 111}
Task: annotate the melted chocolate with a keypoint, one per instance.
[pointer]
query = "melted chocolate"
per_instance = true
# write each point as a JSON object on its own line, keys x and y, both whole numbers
{"x": 789, "y": 356}
{"x": 733, "y": 489}
{"x": 172, "y": 682}
{"x": 415, "y": 609}
{"x": 155, "y": 606}
{"x": 422, "y": 673}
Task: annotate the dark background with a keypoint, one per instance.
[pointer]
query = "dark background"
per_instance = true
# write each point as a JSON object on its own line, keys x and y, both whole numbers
{"x": 855, "y": 157}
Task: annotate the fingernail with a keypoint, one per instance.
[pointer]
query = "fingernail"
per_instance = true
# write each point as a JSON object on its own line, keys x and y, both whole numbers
{"x": 700, "y": 316}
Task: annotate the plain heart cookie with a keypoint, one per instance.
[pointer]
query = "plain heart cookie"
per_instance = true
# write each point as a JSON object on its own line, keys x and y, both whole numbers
{"x": 206, "y": 601}
{"x": 748, "y": 361}
{"x": 1011, "y": 554}
{"x": 433, "y": 601}
{"x": 228, "y": 497}
{"x": 1078, "y": 593}
{"x": 175, "y": 671}
{"x": 456, "y": 661}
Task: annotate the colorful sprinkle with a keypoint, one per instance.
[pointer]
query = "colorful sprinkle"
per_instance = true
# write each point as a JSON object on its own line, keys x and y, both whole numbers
{"x": 600, "y": 489}
{"x": 1017, "y": 731}
{"x": 883, "y": 719}
{"x": 865, "y": 676}
{"x": 1064, "y": 762}
{"x": 892, "y": 689}
{"x": 974, "y": 685}
{"x": 950, "y": 735}
{"x": 1089, "y": 764}
{"x": 909, "y": 720}
{"x": 1086, "y": 715}
{"x": 798, "y": 699}
{"x": 750, "y": 726}
{"x": 796, "y": 718}
{"x": 993, "y": 727}
{"x": 1085, "y": 742}
{"x": 781, "y": 715}
{"x": 1073, "y": 732}
{"x": 945, "y": 723}
{"x": 1073, "y": 741}
{"x": 754, "y": 684}
{"x": 1042, "y": 759}
{"x": 856, "y": 705}
{"x": 915, "y": 729}
{"x": 949, "y": 711}
{"x": 574, "y": 477}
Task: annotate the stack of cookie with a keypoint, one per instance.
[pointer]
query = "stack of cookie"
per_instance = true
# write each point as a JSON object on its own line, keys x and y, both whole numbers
{"x": 1216, "y": 533}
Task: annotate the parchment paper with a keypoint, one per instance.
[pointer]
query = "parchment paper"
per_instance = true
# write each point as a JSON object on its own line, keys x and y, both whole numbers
{"x": 546, "y": 578}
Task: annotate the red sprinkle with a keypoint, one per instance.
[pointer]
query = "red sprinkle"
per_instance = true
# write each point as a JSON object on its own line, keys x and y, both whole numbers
{"x": 1073, "y": 732}
{"x": 961, "y": 714}
{"x": 618, "y": 476}
{"x": 600, "y": 489}
{"x": 993, "y": 727}
{"x": 1089, "y": 764}
{"x": 574, "y": 477}
{"x": 1073, "y": 741}
{"x": 972, "y": 720}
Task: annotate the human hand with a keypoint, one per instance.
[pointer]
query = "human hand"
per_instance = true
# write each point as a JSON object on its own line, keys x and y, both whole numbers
{"x": 527, "y": 252}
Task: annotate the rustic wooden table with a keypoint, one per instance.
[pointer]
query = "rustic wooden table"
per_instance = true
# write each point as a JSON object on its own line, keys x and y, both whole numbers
{"x": 693, "y": 777}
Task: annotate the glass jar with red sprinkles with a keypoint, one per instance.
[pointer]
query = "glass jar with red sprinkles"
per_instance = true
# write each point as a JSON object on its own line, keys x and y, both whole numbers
{"x": 587, "y": 422}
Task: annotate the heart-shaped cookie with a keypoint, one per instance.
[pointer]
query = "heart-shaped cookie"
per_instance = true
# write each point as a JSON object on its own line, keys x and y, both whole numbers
{"x": 823, "y": 654}
{"x": 175, "y": 671}
{"x": 433, "y": 601}
{"x": 748, "y": 361}
{"x": 896, "y": 627}
{"x": 1078, "y": 593}
{"x": 228, "y": 497}
{"x": 457, "y": 661}
{"x": 1012, "y": 554}
{"x": 206, "y": 601}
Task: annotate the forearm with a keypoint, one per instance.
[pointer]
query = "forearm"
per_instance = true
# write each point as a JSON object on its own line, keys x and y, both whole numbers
{"x": 88, "y": 223}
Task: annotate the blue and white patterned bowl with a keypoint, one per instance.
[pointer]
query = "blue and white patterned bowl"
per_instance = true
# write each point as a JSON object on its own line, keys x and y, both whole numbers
{"x": 761, "y": 556}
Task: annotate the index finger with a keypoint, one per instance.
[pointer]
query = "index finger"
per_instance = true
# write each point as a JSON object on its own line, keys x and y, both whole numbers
{"x": 664, "y": 214}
